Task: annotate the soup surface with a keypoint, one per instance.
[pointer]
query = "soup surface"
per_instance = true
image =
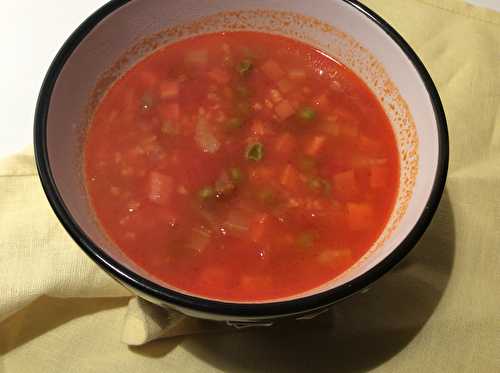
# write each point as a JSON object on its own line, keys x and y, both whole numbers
{"x": 241, "y": 166}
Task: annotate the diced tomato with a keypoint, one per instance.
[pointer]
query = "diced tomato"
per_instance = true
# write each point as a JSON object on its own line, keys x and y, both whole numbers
{"x": 285, "y": 144}
{"x": 160, "y": 188}
{"x": 272, "y": 70}
{"x": 284, "y": 110}
{"x": 219, "y": 76}
{"x": 289, "y": 177}
{"x": 345, "y": 185}
{"x": 359, "y": 216}
{"x": 315, "y": 145}
{"x": 378, "y": 176}
{"x": 170, "y": 111}
{"x": 169, "y": 89}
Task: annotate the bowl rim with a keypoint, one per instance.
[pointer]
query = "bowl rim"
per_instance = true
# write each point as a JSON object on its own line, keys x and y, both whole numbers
{"x": 195, "y": 303}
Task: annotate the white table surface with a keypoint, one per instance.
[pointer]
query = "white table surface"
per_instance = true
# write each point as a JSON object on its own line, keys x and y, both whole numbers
{"x": 31, "y": 32}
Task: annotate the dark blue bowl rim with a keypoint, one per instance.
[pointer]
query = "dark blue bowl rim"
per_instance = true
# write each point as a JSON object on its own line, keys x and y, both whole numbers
{"x": 242, "y": 310}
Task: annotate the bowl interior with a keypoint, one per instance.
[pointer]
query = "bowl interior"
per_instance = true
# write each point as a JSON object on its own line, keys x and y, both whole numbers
{"x": 337, "y": 27}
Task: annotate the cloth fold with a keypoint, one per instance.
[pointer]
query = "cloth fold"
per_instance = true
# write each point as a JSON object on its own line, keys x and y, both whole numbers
{"x": 145, "y": 322}
{"x": 438, "y": 311}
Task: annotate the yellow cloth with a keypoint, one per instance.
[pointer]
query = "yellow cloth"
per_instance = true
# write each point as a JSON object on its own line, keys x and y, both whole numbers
{"x": 439, "y": 311}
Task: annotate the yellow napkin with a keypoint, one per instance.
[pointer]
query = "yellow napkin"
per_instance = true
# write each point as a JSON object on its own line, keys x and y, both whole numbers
{"x": 439, "y": 311}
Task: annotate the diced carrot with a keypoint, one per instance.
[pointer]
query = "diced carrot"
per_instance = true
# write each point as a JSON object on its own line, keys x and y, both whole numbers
{"x": 219, "y": 76}
{"x": 285, "y": 143}
{"x": 285, "y": 86}
{"x": 272, "y": 70}
{"x": 378, "y": 176}
{"x": 259, "y": 227}
{"x": 160, "y": 188}
{"x": 322, "y": 101}
{"x": 345, "y": 186}
{"x": 284, "y": 110}
{"x": 169, "y": 89}
{"x": 289, "y": 177}
{"x": 170, "y": 111}
{"x": 315, "y": 145}
{"x": 359, "y": 216}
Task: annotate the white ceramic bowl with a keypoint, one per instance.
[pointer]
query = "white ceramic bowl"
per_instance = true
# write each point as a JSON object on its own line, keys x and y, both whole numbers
{"x": 122, "y": 32}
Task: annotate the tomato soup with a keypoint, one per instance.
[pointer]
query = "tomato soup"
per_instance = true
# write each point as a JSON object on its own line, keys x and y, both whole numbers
{"x": 241, "y": 166}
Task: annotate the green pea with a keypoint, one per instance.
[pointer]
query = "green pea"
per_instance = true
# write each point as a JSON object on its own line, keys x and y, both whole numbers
{"x": 255, "y": 151}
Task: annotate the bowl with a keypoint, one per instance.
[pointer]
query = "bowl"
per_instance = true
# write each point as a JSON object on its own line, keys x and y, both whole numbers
{"x": 122, "y": 32}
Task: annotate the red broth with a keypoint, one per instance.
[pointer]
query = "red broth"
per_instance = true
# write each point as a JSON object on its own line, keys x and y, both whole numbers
{"x": 241, "y": 166}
